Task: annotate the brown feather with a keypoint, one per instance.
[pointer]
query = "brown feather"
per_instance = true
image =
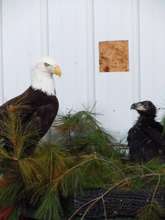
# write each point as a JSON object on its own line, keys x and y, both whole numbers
{"x": 33, "y": 106}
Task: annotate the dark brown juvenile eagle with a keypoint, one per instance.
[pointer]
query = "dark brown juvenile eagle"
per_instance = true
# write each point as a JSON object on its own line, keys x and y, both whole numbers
{"x": 145, "y": 138}
{"x": 38, "y": 104}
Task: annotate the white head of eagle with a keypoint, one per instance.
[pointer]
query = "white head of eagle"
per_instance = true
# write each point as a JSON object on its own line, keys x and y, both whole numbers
{"x": 42, "y": 75}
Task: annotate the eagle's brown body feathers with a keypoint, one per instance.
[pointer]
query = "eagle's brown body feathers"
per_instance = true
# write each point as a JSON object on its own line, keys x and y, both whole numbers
{"x": 33, "y": 106}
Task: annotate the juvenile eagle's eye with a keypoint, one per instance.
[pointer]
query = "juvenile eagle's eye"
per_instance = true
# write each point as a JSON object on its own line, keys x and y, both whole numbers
{"x": 46, "y": 64}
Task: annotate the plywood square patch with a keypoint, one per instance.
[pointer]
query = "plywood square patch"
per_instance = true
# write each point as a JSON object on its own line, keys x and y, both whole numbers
{"x": 113, "y": 56}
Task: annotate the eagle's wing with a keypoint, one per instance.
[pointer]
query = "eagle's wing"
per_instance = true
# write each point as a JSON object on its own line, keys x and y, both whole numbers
{"x": 16, "y": 102}
{"x": 36, "y": 110}
{"x": 44, "y": 117}
{"x": 155, "y": 136}
{"x": 33, "y": 106}
{"x": 41, "y": 121}
{"x": 145, "y": 143}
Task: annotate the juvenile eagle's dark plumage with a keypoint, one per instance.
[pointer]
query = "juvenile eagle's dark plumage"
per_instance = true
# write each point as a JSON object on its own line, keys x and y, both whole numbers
{"x": 145, "y": 138}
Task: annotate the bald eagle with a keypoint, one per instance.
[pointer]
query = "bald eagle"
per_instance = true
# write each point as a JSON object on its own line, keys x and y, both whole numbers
{"x": 145, "y": 140}
{"x": 38, "y": 104}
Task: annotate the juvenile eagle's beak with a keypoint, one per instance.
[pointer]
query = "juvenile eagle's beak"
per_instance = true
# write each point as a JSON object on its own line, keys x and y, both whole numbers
{"x": 57, "y": 71}
{"x": 133, "y": 106}
{"x": 138, "y": 106}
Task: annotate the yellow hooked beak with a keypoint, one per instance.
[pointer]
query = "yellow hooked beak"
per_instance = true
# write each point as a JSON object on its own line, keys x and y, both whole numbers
{"x": 57, "y": 71}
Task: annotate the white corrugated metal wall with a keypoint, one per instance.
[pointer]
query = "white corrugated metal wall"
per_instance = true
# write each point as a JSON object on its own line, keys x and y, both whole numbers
{"x": 70, "y": 30}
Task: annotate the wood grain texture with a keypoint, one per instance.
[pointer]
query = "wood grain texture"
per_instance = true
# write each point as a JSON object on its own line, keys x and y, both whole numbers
{"x": 113, "y": 56}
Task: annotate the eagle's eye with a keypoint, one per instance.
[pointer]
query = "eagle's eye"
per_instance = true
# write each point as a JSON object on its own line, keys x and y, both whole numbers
{"x": 46, "y": 64}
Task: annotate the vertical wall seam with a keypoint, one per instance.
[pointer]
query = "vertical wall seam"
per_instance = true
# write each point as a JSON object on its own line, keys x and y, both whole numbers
{"x": 93, "y": 52}
{"x": 44, "y": 27}
{"x": 91, "y": 97}
{"x": 139, "y": 48}
{"x": 136, "y": 67}
{"x": 1, "y": 52}
{"x": 135, "y": 53}
{"x": 47, "y": 25}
